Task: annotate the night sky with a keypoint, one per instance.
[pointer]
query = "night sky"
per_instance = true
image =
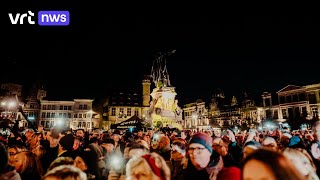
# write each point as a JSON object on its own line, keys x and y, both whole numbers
{"x": 99, "y": 52}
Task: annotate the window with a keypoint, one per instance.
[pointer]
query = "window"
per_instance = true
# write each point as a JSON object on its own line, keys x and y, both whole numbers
{"x": 47, "y": 124}
{"x": 32, "y": 105}
{"x": 84, "y": 124}
{"x": 295, "y": 98}
{"x": 275, "y": 114}
{"x": 75, "y": 115}
{"x": 312, "y": 98}
{"x": 136, "y": 112}
{"x": 69, "y": 108}
{"x": 64, "y": 115}
{"x": 284, "y": 114}
{"x": 88, "y": 115}
{"x": 65, "y": 107}
{"x": 129, "y": 111}
{"x": 84, "y": 115}
{"x": 304, "y": 111}
{"x": 53, "y": 115}
{"x": 282, "y": 100}
{"x": 88, "y": 124}
{"x": 85, "y": 106}
{"x": 288, "y": 98}
{"x": 53, "y": 107}
{"x": 61, "y": 107}
{"x": 69, "y": 115}
{"x": 60, "y": 115}
{"x": 121, "y": 110}
{"x": 80, "y": 106}
{"x": 80, "y": 115}
{"x": 44, "y": 107}
{"x": 49, "y": 107}
{"x": 48, "y": 115}
{"x": 43, "y": 114}
{"x": 113, "y": 111}
{"x": 302, "y": 97}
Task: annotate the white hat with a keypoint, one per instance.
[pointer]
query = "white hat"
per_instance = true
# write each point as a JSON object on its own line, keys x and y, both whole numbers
{"x": 268, "y": 141}
{"x": 287, "y": 135}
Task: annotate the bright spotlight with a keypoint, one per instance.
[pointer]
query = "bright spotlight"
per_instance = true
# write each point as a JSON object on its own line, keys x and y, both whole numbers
{"x": 11, "y": 104}
{"x": 59, "y": 122}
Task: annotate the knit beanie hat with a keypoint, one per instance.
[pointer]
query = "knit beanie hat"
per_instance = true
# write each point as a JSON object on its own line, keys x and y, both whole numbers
{"x": 252, "y": 145}
{"x": 203, "y": 139}
{"x": 287, "y": 135}
{"x": 295, "y": 140}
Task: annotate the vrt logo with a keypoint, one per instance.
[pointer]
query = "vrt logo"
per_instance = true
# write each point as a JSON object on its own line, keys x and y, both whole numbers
{"x": 17, "y": 17}
{"x": 45, "y": 18}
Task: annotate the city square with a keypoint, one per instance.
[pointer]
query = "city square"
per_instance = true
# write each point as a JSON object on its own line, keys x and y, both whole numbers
{"x": 143, "y": 97}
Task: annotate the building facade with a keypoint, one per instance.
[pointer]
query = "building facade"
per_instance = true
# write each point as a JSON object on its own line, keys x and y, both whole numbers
{"x": 195, "y": 115}
{"x": 123, "y": 105}
{"x": 296, "y": 104}
{"x": 75, "y": 114}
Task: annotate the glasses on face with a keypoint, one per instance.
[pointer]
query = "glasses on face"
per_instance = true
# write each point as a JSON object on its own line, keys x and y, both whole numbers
{"x": 197, "y": 150}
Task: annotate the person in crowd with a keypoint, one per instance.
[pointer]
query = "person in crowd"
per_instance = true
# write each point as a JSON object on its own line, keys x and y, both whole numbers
{"x": 66, "y": 146}
{"x": 302, "y": 163}
{"x": 118, "y": 145}
{"x": 269, "y": 164}
{"x": 164, "y": 147}
{"x": 204, "y": 163}
{"x": 270, "y": 143}
{"x": 7, "y": 171}
{"x": 28, "y": 165}
{"x": 221, "y": 147}
{"x": 178, "y": 153}
{"x": 296, "y": 142}
{"x": 64, "y": 172}
{"x": 233, "y": 148}
{"x": 98, "y": 151}
{"x": 284, "y": 140}
{"x": 13, "y": 150}
{"x": 40, "y": 152}
{"x": 87, "y": 161}
{"x": 314, "y": 148}
{"x": 83, "y": 138}
{"x": 250, "y": 147}
{"x": 148, "y": 166}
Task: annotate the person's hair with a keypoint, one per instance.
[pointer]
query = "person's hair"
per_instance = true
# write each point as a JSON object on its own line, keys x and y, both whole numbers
{"x": 80, "y": 130}
{"x": 42, "y": 150}
{"x": 180, "y": 144}
{"x": 280, "y": 166}
{"x": 65, "y": 172}
{"x": 31, "y": 167}
{"x": 55, "y": 132}
{"x": 159, "y": 163}
{"x": 297, "y": 155}
{"x": 18, "y": 148}
{"x": 61, "y": 161}
{"x": 136, "y": 145}
{"x": 93, "y": 140}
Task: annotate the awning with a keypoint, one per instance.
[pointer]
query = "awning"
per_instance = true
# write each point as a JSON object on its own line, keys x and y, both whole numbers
{"x": 133, "y": 122}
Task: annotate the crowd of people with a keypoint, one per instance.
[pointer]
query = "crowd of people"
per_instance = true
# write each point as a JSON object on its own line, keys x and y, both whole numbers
{"x": 161, "y": 154}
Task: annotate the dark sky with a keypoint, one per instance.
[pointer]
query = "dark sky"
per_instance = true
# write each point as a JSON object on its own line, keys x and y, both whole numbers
{"x": 100, "y": 51}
